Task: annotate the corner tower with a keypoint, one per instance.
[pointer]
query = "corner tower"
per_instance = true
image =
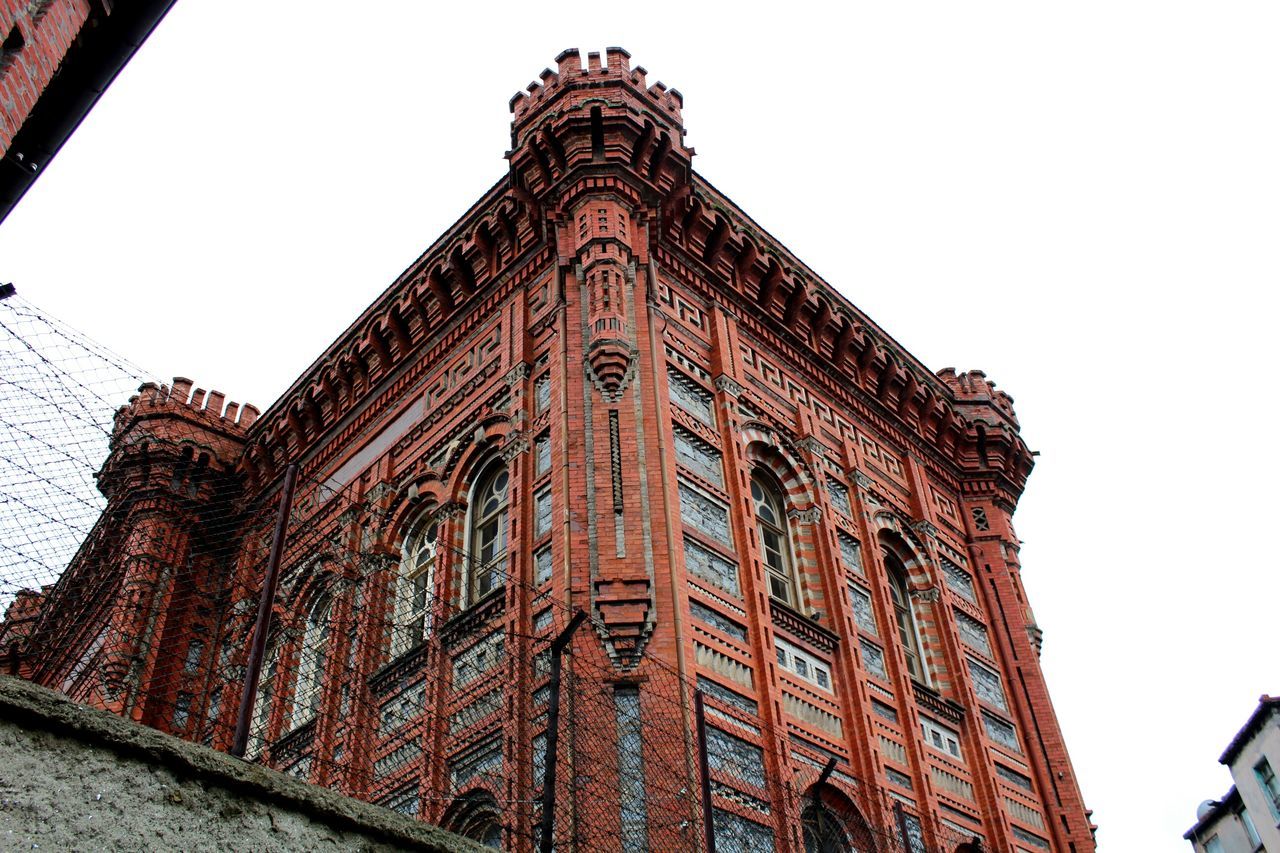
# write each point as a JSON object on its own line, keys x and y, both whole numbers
{"x": 599, "y": 154}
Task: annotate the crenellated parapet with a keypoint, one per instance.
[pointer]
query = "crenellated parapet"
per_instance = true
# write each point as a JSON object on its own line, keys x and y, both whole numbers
{"x": 601, "y": 119}
{"x": 978, "y": 396}
{"x": 616, "y": 69}
{"x": 176, "y": 437}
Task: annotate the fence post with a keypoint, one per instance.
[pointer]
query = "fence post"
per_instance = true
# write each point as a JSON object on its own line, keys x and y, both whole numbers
{"x": 704, "y": 772}
{"x": 258, "y": 647}
{"x": 558, "y": 646}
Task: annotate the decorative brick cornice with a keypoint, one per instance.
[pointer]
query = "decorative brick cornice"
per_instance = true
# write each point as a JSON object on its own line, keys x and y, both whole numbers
{"x": 931, "y": 701}
{"x": 790, "y": 622}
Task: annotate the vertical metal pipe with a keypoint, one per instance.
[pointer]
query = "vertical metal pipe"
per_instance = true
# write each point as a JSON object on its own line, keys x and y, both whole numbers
{"x": 704, "y": 772}
{"x": 558, "y": 645}
{"x": 258, "y": 648}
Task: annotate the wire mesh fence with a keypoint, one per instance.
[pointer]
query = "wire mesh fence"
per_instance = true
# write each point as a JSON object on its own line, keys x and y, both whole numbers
{"x": 396, "y": 665}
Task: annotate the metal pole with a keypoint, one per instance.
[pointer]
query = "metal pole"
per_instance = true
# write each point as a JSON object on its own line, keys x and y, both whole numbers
{"x": 258, "y": 648}
{"x": 824, "y": 775}
{"x": 704, "y": 770}
{"x": 558, "y": 646}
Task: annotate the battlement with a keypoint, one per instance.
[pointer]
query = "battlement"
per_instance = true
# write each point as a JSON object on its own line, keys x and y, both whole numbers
{"x": 975, "y": 388}
{"x": 184, "y": 398}
{"x": 571, "y": 74}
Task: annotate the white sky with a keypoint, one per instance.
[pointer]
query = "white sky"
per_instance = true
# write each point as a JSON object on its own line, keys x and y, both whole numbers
{"x": 1081, "y": 199}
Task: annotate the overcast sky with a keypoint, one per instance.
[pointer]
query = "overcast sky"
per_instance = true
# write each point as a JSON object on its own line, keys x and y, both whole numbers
{"x": 1081, "y": 199}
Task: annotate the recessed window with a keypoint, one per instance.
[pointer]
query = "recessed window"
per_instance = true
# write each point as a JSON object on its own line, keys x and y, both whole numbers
{"x": 311, "y": 663}
{"x": 904, "y": 616}
{"x": 487, "y": 554}
{"x": 414, "y": 588}
{"x": 1270, "y": 787}
{"x": 940, "y": 737}
{"x": 802, "y": 664}
{"x": 775, "y": 539}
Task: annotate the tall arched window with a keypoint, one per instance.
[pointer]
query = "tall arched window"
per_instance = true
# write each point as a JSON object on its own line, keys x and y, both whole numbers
{"x": 414, "y": 588}
{"x": 775, "y": 539}
{"x": 903, "y": 615}
{"x": 311, "y": 663}
{"x": 487, "y": 542}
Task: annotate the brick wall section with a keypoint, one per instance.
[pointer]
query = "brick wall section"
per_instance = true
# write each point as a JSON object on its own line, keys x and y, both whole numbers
{"x": 48, "y": 28}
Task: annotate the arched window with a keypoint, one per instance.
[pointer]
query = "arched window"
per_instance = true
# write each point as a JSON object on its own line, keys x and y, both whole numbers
{"x": 311, "y": 663}
{"x": 475, "y": 815}
{"x": 414, "y": 588}
{"x": 823, "y": 832}
{"x": 903, "y": 615}
{"x": 487, "y": 542}
{"x": 775, "y": 539}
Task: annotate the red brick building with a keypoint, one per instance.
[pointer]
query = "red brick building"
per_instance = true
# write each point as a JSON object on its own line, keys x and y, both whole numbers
{"x": 605, "y": 388}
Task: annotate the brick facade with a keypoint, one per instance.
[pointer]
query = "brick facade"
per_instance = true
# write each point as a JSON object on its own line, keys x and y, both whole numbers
{"x": 654, "y": 374}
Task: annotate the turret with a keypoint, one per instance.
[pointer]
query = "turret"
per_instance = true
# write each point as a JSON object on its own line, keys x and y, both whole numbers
{"x": 601, "y": 118}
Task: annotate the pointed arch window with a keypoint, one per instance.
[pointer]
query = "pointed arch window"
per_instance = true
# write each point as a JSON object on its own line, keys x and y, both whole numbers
{"x": 487, "y": 536}
{"x": 414, "y": 587}
{"x": 775, "y": 537}
{"x": 903, "y": 615}
{"x": 311, "y": 663}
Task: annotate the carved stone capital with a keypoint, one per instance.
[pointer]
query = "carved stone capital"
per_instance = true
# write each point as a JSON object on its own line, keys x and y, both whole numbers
{"x": 517, "y": 443}
{"x": 806, "y": 516}
{"x": 519, "y": 373}
{"x": 449, "y": 511}
{"x": 928, "y": 595}
{"x": 377, "y": 562}
{"x": 924, "y": 528}
{"x": 863, "y": 481}
{"x": 810, "y": 444}
{"x": 378, "y": 492}
{"x": 727, "y": 385}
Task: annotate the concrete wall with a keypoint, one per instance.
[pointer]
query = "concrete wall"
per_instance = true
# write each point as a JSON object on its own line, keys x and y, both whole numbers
{"x": 73, "y": 778}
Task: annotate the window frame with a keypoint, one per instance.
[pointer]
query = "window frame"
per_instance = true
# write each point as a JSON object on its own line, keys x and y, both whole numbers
{"x": 904, "y": 617}
{"x": 773, "y": 498}
{"x": 1268, "y": 784}
{"x": 491, "y": 471}
{"x": 408, "y": 632}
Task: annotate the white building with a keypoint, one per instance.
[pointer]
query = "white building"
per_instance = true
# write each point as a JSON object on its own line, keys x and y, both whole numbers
{"x": 1247, "y": 818}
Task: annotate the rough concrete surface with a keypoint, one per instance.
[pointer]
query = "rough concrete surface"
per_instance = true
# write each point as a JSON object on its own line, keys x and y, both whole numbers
{"x": 73, "y": 778}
